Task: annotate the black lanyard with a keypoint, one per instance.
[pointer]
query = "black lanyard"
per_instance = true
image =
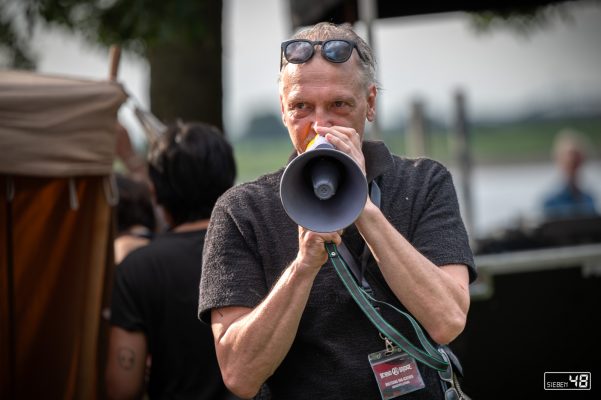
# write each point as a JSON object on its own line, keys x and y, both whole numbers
{"x": 344, "y": 262}
{"x": 359, "y": 270}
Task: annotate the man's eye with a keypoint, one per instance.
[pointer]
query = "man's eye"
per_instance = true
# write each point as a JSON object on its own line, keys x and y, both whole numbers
{"x": 300, "y": 110}
{"x": 339, "y": 104}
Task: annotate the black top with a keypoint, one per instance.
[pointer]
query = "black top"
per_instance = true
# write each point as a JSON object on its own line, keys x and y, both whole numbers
{"x": 156, "y": 292}
{"x": 251, "y": 240}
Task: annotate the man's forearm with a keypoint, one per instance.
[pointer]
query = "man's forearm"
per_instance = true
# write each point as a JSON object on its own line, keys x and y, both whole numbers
{"x": 254, "y": 344}
{"x": 437, "y": 297}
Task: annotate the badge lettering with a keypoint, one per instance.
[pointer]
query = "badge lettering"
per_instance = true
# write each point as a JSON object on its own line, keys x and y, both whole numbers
{"x": 395, "y": 371}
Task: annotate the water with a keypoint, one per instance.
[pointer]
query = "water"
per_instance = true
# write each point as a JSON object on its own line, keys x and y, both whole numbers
{"x": 504, "y": 196}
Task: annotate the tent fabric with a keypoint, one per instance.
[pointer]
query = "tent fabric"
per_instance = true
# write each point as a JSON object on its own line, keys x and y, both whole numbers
{"x": 60, "y": 271}
{"x": 57, "y": 147}
{"x": 57, "y": 126}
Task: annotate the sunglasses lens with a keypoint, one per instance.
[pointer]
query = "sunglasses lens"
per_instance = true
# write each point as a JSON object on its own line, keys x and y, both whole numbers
{"x": 451, "y": 394}
{"x": 337, "y": 51}
{"x": 298, "y": 52}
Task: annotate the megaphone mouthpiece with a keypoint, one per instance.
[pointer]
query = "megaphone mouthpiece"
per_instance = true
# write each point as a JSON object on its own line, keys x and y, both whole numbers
{"x": 325, "y": 175}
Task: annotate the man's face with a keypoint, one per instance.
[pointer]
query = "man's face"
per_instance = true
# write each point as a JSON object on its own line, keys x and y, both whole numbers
{"x": 321, "y": 93}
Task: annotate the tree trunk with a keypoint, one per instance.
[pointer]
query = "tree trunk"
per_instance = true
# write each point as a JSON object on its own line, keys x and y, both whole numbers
{"x": 185, "y": 75}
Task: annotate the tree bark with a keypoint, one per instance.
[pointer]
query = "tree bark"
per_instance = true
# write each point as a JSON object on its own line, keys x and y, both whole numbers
{"x": 185, "y": 75}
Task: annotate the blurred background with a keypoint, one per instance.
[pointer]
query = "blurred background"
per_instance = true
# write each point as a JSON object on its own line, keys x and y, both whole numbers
{"x": 524, "y": 77}
{"x": 484, "y": 87}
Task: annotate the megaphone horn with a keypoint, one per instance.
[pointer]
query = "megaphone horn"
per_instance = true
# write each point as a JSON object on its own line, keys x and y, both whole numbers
{"x": 323, "y": 189}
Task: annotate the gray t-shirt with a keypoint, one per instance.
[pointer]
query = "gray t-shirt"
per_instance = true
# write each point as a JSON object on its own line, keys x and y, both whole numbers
{"x": 251, "y": 240}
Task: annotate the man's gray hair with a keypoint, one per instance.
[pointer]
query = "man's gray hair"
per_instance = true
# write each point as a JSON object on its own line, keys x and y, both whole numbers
{"x": 327, "y": 30}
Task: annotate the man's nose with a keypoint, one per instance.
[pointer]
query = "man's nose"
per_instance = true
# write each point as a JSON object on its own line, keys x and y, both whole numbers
{"x": 322, "y": 119}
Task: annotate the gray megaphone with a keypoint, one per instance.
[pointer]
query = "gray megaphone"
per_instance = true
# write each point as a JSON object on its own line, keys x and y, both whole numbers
{"x": 323, "y": 189}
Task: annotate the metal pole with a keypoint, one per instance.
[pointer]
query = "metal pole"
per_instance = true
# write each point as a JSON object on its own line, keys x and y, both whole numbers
{"x": 368, "y": 12}
{"x": 464, "y": 159}
{"x": 416, "y": 132}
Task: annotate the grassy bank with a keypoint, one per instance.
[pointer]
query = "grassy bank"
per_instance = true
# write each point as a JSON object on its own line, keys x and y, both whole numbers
{"x": 499, "y": 143}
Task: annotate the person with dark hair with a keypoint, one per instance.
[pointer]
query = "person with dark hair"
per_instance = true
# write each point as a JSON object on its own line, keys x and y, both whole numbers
{"x": 155, "y": 292}
{"x": 279, "y": 312}
{"x": 136, "y": 221}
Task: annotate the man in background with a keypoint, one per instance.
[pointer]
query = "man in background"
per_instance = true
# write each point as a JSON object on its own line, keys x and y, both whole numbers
{"x": 155, "y": 293}
{"x": 570, "y": 199}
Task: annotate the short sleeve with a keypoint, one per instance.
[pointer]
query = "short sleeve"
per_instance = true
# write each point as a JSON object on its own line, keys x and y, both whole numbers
{"x": 232, "y": 274}
{"x": 440, "y": 233}
{"x": 126, "y": 309}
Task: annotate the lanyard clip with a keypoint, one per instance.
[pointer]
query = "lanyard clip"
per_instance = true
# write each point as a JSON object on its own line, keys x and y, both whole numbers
{"x": 390, "y": 347}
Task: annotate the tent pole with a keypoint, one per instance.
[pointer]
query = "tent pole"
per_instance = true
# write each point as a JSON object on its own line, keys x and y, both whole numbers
{"x": 114, "y": 59}
{"x": 12, "y": 356}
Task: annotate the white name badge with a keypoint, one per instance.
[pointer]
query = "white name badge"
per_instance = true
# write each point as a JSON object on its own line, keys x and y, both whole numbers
{"x": 396, "y": 373}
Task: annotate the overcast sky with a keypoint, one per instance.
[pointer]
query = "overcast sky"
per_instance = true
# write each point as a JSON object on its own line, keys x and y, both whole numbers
{"x": 428, "y": 57}
{"x": 418, "y": 57}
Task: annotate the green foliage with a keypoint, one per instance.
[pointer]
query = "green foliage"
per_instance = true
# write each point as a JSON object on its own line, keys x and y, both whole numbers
{"x": 523, "y": 20}
{"x": 134, "y": 24}
{"x": 12, "y": 45}
{"x": 129, "y": 22}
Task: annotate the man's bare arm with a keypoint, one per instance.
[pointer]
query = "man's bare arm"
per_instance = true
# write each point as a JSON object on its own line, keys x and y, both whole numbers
{"x": 437, "y": 297}
{"x": 126, "y": 364}
{"x": 251, "y": 343}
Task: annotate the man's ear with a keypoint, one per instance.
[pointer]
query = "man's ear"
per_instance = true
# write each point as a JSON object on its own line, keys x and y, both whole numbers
{"x": 371, "y": 102}
{"x": 282, "y": 111}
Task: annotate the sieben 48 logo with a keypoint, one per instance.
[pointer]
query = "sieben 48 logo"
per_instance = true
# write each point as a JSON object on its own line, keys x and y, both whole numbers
{"x": 567, "y": 381}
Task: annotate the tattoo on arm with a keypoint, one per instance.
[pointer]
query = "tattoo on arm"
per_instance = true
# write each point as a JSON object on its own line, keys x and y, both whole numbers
{"x": 126, "y": 358}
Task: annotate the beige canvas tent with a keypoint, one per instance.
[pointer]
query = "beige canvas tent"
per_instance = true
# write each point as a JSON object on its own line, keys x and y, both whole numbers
{"x": 57, "y": 145}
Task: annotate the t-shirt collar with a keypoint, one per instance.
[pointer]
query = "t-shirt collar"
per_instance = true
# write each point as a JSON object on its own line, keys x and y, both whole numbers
{"x": 377, "y": 158}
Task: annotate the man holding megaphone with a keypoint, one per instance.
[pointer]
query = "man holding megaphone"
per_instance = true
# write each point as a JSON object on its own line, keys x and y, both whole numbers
{"x": 280, "y": 308}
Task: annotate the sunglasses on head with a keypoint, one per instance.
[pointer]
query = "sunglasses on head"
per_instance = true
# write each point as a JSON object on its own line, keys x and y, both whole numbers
{"x": 298, "y": 51}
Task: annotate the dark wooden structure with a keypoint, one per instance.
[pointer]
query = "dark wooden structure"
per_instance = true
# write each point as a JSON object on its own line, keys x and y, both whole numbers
{"x": 308, "y": 12}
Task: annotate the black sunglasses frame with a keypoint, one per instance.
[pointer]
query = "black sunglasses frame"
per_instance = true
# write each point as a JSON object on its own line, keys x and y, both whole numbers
{"x": 324, "y": 54}
{"x": 446, "y": 377}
